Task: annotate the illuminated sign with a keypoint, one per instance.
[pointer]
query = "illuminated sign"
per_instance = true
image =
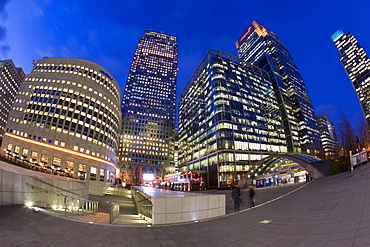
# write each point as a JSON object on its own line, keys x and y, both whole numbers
{"x": 105, "y": 73}
{"x": 246, "y": 33}
{"x": 337, "y": 35}
{"x": 148, "y": 177}
{"x": 260, "y": 30}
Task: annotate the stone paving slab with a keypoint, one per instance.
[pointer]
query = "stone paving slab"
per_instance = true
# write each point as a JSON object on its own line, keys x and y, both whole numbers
{"x": 332, "y": 211}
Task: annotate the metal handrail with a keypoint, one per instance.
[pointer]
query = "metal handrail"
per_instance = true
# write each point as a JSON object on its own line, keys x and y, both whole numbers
{"x": 113, "y": 211}
{"x": 143, "y": 205}
{"x": 73, "y": 204}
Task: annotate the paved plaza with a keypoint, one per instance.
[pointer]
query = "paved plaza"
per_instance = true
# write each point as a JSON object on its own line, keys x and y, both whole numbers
{"x": 333, "y": 211}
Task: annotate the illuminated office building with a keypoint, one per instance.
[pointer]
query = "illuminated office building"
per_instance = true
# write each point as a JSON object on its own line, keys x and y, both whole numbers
{"x": 10, "y": 79}
{"x": 229, "y": 119}
{"x": 66, "y": 117}
{"x": 328, "y": 136}
{"x": 264, "y": 49}
{"x": 357, "y": 65}
{"x": 148, "y": 107}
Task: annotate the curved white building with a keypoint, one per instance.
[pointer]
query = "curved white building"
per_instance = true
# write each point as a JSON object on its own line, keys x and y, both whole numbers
{"x": 66, "y": 117}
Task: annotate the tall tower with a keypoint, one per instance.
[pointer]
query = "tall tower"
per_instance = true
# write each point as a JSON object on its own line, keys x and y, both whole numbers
{"x": 328, "y": 136}
{"x": 357, "y": 65}
{"x": 264, "y": 49}
{"x": 148, "y": 107}
{"x": 10, "y": 79}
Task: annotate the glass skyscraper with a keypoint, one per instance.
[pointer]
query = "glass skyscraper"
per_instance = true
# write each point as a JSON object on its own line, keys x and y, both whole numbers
{"x": 357, "y": 65}
{"x": 229, "y": 118}
{"x": 328, "y": 136}
{"x": 148, "y": 107}
{"x": 10, "y": 79}
{"x": 264, "y": 49}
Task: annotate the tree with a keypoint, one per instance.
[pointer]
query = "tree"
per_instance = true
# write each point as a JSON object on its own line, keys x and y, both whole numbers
{"x": 363, "y": 131}
{"x": 137, "y": 175}
{"x": 346, "y": 134}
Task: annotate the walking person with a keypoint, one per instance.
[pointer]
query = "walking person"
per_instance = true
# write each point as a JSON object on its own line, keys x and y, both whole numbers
{"x": 251, "y": 196}
{"x": 237, "y": 198}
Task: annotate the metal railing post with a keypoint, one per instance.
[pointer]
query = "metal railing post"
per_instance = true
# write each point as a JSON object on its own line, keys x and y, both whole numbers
{"x": 65, "y": 206}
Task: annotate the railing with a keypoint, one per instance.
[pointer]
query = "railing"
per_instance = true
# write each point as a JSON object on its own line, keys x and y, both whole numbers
{"x": 117, "y": 191}
{"x": 113, "y": 211}
{"x": 142, "y": 203}
{"x": 60, "y": 202}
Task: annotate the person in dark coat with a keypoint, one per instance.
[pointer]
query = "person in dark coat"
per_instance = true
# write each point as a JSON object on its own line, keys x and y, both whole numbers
{"x": 237, "y": 198}
{"x": 251, "y": 196}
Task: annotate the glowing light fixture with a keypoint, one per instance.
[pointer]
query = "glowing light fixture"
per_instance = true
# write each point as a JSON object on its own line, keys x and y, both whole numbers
{"x": 29, "y": 204}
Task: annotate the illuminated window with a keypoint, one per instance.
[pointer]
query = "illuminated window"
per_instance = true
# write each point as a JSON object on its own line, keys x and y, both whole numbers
{"x": 57, "y": 162}
{"x": 93, "y": 173}
{"x": 82, "y": 171}
{"x": 69, "y": 166}
{"x": 24, "y": 152}
{"x": 34, "y": 155}
{"x": 102, "y": 172}
{"x": 44, "y": 158}
{"x": 10, "y": 146}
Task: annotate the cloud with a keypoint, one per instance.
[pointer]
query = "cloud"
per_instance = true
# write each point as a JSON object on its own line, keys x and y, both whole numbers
{"x": 47, "y": 51}
{"x": 2, "y": 32}
{"x": 3, "y": 4}
{"x": 4, "y": 46}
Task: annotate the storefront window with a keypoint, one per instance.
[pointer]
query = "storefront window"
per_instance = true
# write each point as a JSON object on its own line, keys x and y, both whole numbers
{"x": 57, "y": 162}
{"x": 82, "y": 171}
{"x": 33, "y": 156}
{"x": 24, "y": 152}
{"x": 93, "y": 173}
{"x": 102, "y": 172}
{"x": 69, "y": 168}
{"x": 44, "y": 159}
{"x": 16, "y": 149}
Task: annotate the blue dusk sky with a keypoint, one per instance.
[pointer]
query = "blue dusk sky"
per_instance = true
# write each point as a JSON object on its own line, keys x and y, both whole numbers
{"x": 107, "y": 32}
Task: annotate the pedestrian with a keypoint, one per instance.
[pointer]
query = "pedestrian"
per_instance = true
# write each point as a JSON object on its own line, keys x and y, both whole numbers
{"x": 251, "y": 196}
{"x": 236, "y": 198}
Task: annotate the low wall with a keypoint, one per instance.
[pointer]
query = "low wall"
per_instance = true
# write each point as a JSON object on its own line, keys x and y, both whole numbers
{"x": 168, "y": 207}
{"x": 98, "y": 188}
{"x": 19, "y": 186}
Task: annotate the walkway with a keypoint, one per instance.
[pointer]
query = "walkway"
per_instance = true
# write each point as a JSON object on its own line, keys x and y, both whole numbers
{"x": 332, "y": 211}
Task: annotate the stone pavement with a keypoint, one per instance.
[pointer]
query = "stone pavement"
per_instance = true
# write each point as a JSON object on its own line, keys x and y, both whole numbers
{"x": 333, "y": 211}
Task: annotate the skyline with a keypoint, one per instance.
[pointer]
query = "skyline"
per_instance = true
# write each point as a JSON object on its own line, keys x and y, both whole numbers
{"x": 108, "y": 35}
